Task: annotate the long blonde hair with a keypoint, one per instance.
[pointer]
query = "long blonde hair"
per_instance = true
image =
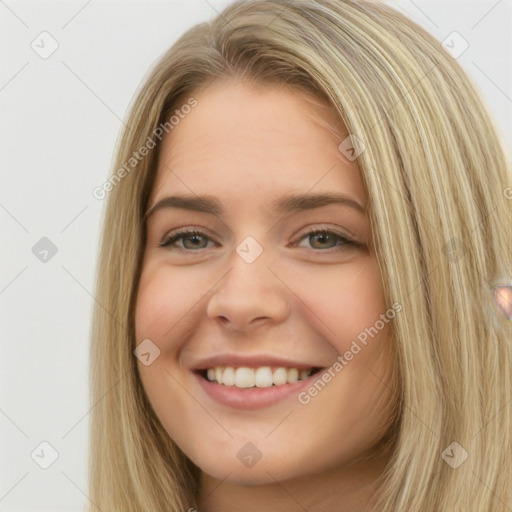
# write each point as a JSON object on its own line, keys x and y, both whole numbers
{"x": 437, "y": 181}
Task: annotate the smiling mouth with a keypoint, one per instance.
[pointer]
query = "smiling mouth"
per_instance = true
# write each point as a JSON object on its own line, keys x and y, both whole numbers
{"x": 261, "y": 377}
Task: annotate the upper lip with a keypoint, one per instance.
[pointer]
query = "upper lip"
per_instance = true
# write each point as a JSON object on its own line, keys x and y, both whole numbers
{"x": 250, "y": 361}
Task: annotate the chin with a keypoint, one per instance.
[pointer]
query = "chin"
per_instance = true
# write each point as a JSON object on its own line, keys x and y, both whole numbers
{"x": 232, "y": 470}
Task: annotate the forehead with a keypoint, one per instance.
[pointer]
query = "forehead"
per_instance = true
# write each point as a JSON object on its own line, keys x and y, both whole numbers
{"x": 256, "y": 140}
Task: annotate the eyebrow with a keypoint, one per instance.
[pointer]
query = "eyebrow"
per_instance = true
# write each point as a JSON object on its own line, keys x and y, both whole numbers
{"x": 209, "y": 204}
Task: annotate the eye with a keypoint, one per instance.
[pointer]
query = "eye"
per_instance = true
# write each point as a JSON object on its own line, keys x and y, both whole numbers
{"x": 193, "y": 240}
{"x": 183, "y": 235}
{"x": 328, "y": 240}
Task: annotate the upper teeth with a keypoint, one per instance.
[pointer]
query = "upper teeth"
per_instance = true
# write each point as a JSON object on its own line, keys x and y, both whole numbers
{"x": 262, "y": 377}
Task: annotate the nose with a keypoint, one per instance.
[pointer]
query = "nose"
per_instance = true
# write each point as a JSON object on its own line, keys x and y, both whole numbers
{"x": 248, "y": 295}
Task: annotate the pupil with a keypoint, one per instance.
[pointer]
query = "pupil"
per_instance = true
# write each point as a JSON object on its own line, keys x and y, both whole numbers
{"x": 195, "y": 238}
{"x": 322, "y": 237}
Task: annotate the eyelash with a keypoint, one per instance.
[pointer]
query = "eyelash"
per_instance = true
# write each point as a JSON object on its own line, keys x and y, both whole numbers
{"x": 171, "y": 239}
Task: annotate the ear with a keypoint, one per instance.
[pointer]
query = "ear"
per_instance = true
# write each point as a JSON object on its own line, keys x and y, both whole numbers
{"x": 502, "y": 295}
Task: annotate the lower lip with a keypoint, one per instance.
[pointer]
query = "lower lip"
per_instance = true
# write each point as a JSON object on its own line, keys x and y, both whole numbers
{"x": 253, "y": 398}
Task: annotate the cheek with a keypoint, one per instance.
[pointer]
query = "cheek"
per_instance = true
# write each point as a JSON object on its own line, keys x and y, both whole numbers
{"x": 165, "y": 300}
{"x": 344, "y": 301}
{"x": 164, "y": 313}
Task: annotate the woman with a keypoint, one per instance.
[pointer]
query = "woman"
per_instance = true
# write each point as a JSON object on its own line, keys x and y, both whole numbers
{"x": 237, "y": 363}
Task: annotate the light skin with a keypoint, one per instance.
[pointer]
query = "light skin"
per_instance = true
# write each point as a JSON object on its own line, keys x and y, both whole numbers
{"x": 306, "y": 297}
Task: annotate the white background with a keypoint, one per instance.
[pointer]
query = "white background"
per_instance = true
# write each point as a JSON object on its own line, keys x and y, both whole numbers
{"x": 59, "y": 122}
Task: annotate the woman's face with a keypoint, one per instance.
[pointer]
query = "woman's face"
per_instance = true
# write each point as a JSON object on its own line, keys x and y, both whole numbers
{"x": 257, "y": 288}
